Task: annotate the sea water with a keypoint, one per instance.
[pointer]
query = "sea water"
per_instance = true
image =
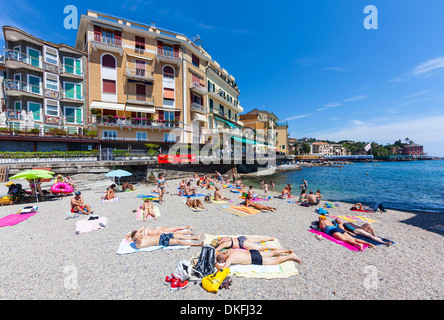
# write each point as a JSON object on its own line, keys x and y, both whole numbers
{"x": 410, "y": 185}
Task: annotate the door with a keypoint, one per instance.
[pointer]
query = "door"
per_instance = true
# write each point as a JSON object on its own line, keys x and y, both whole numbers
{"x": 140, "y": 68}
{"x": 70, "y": 90}
{"x": 33, "y": 84}
{"x": 140, "y": 92}
{"x": 69, "y": 65}
{"x": 34, "y": 57}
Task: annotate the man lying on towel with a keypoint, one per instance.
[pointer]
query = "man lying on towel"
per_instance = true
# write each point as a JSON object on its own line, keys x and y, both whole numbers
{"x": 228, "y": 257}
{"x": 144, "y": 240}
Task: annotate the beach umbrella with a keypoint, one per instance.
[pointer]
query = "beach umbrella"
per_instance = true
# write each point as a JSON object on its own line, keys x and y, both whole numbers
{"x": 118, "y": 174}
{"x": 32, "y": 175}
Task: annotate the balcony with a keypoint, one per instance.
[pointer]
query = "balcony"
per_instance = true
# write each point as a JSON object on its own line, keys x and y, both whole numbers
{"x": 195, "y": 107}
{"x": 168, "y": 56}
{"x": 221, "y": 97}
{"x": 18, "y": 88}
{"x": 16, "y": 59}
{"x": 101, "y": 42}
{"x": 139, "y": 74}
{"x": 198, "y": 88}
{"x": 137, "y": 98}
{"x": 71, "y": 71}
{"x": 70, "y": 96}
{"x": 142, "y": 123}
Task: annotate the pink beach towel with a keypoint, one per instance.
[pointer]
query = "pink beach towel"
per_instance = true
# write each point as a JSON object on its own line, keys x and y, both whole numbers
{"x": 342, "y": 243}
{"x": 14, "y": 219}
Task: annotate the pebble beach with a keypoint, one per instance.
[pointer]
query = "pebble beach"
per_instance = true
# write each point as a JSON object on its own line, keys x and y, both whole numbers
{"x": 42, "y": 258}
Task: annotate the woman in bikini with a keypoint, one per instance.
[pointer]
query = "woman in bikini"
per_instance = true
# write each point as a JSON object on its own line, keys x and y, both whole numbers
{"x": 148, "y": 210}
{"x": 257, "y": 206}
{"x": 161, "y": 186}
{"x": 218, "y": 195}
{"x": 110, "y": 193}
{"x": 242, "y": 242}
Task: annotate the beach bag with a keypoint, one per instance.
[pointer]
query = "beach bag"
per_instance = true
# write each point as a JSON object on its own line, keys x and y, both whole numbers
{"x": 206, "y": 261}
{"x": 183, "y": 270}
{"x": 212, "y": 282}
{"x": 315, "y": 225}
{"x": 321, "y": 211}
{"x": 207, "y": 198}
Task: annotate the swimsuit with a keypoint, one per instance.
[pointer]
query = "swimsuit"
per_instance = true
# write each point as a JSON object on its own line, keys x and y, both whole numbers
{"x": 330, "y": 230}
{"x": 241, "y": 240}
{"x": 256, "y": 257}
{"x": 164, "y": 239}
{"x": 349, "y": 227}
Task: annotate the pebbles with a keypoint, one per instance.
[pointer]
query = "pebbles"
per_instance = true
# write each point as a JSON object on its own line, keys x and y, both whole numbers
{"x": 43, "y": 258}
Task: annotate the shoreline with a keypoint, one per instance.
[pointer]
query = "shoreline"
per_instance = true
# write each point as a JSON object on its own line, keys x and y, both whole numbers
{"x": 49, "y": 253}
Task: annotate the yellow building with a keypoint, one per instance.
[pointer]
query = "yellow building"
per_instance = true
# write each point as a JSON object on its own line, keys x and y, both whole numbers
{"x": 146, "y": 84}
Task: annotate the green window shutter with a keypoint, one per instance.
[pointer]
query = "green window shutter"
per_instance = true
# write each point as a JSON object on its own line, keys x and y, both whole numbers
{"x": 78, "y": 115}
{"x": 78, "y": 67}
{"x": 78, "y": 92}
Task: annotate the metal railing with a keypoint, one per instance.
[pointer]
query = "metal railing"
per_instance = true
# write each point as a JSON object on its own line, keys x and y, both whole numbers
{"x": 108, "y": 40}
{"x": 139, "y": 98}
{"x": 18, "y": 85}
{"x": 168, "y": 53}
{"x": 72, "y": 70}
{"x": 23, "y": 57}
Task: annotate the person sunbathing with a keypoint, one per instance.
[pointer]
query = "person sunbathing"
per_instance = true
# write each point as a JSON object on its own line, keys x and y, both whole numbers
{"x": 366, "y": 230}
{"x": 357, "y": 206}
{"x": 242, "y": 242}
{"x": 126, "y": 185}
{"x": 250, "y": 203}
{"x": 194, "y": 203}
{"x": 229, "y": 257}
{"x": 339, "y": 234}
{"x": 286, "y": 192}
{"x": 148, "y": 210}
{"x": 179, "y": 230}
{"x": 164, "y": 239}
{"x": 313, "y": 199}
{"x": 218, "y": 195}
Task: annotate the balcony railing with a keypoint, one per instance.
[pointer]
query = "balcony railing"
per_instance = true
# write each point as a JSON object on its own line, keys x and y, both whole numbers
{"x": 140, "y": 98}
{"x": 117, "y": 42}
{"x": 16, "y": 85}
{"x": 18, "y": 56}
{"x": 70, "y": 95}
{"x": 136, "y": 122}
{"x": 71, "y": 70}
{"x": 139, "y": 73}
{"x": 198, "y": 85}
{"x": 168, "y": 53}
{"x": 199, "y": 108}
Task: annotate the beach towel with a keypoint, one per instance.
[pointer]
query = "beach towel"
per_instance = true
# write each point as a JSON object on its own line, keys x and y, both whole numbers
{"x": 14, "y": 219}
{"x": 236, "y": 212}
{"x": 361, "y": 211}
{"x": 246, "y": 209}
{"x": 193, "y": 209}
{"x": 93, "y": 223}
{"x": 342, "y": 243}
{"x": 115, "y": 199}
{"x": 127, "y": 247}
{"x": 195, "y": 195}
{"x": 355, "y": 219}
{"x": 283, "y": 270}
{"x": 139, "y": 215}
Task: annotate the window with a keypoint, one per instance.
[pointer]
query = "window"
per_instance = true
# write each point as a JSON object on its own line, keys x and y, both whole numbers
{"x": 168, "y": 116}
{"x": 35, "y": 108}
{"x": 73, "y": 66}
{"x": 17, "y": 109}
{"x": 168, "y": 93}
{"x": 168, "y": 71}
{"x": 73, "y": 115}
{"x": 51, "y": 82}
{"x": 140, "y": 43}
{"x": 211, "y": 105}
{"x": 109, "y": 135}
{"x": 51, "y": 58}
{"x": 34, "y": 57}
{"x": 221, "y": 110}
{"x": 141, "y": 136}
{"x": 195, "y": 61}
{"x": 52, "y": 108}
{"x": 140, "y": 67}
{"x": 73, "y": 91}
{"x": 108, "y": 61}
{"x": 229, "y": 113}
{"x": 108, "y": 86}
{"x": 197, "y": 99}
{"x": 169, "y": 137}
{"x": 34, "y": 84}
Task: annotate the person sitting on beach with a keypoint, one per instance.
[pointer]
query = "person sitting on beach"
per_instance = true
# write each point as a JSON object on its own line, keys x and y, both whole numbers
{"x": 188, "y": 190}
{"x": 165, "y": 239}
{"x": 250, "y": 203}
{"x": 148, "y": 210}
{"x": 318, "y": 194}
{"x": 313, "y": 199}
{"x": 242, "y": 242}
{"x": 218, "y": 195}
{"x": 69, "y": 181}
{"x": 286, "y": 192}
{"x": 58, "y": 179}
{"x": 110, "y": 193}
{"x": 366, "y": 230}
{"x": 228, "y": 257}
{"x": 78, "y": 204}
{"x": 194, "y": 203}
{"x": 250, "y": 192}
{"x": 180, "y": 230}
{"x": 303, "y": 196}
{"x": 239, "y": 184}
{"x": 36, "y": 186}
{"x": 126, "y": 185}
{"x": 271, "y": 185}
{"x": 182, "y": 185}
{"x": 339, "y": 234}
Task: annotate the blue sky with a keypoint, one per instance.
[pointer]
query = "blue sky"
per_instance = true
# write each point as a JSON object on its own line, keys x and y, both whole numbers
{"x": 311, "y": 62}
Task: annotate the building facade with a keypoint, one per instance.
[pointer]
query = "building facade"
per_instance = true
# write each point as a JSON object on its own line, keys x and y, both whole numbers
{"x": 413, "y": 150}
{"x": 45, "y": 87}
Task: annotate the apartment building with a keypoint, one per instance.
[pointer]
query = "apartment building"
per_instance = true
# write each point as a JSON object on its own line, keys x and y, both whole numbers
{"x": 263, "y": 124}
{"x": 146, "y": 84}
{"x": 46, "y": 79}
{"x": 282, "y": 138}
